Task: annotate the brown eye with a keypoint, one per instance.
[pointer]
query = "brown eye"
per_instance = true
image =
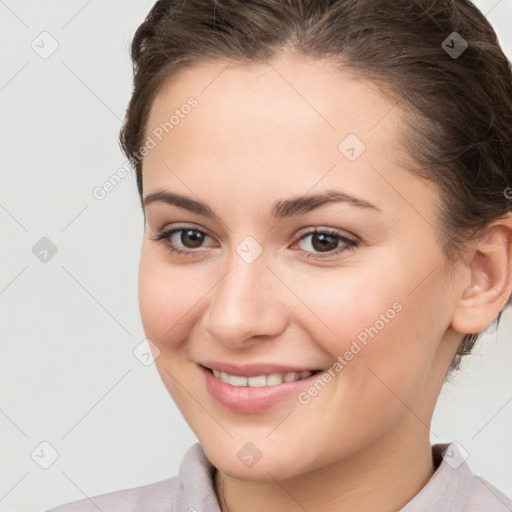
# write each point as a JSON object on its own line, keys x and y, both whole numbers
{"x": 191, "y": 238}
{"x": 183, "y": 241}
{"x": 324, "y": 243}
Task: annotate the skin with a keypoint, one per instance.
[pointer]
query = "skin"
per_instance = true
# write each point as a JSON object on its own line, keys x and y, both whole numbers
{"x": 266, "y": 133}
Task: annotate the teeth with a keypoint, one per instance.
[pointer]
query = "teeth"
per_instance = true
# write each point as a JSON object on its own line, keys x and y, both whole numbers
{"x": 290, "y": 377}
{"x": 273, "y": 379}
{"x": 236, "y": 380}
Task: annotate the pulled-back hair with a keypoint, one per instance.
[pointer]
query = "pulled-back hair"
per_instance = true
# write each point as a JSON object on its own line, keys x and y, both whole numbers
{"x": 457, "y": 108}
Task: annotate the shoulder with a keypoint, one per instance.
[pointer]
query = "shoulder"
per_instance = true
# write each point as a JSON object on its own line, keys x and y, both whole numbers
{"x": 471, "y": 492}
{"x": 155, "y": 497}
{"x": 478, "y": 494}
{"x": 191, "y": 489}
{"x": 455, "y": 488}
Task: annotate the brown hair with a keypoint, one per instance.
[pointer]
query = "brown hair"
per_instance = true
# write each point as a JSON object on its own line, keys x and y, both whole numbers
{"x": 459, "y": 107}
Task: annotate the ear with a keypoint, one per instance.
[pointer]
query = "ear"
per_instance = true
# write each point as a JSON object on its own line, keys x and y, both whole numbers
{"x": 488, "y": 280}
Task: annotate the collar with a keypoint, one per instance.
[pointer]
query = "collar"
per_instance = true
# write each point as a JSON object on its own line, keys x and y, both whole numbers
{"x": 448, "y": 489}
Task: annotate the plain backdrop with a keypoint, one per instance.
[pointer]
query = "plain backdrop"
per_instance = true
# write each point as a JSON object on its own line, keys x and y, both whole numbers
{"x": 74, "y": 397}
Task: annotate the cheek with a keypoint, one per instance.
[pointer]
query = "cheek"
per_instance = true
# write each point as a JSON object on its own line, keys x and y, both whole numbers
{"x": 349, "y": 307}
{"x": 385, "y": 340}
{"x": 167, "y": 296}
{"x": 378, "y": 319}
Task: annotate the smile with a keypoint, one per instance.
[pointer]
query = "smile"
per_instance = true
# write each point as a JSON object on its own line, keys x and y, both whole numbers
{"x": 259, "y": 381}
{"x": 258, "y": 392}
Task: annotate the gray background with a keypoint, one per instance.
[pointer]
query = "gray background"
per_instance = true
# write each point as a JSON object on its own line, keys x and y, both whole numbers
{"x": 70, "y": 325}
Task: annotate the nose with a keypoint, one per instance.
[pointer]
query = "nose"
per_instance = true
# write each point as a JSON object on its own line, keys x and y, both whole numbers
{"x": 245, "y": 305}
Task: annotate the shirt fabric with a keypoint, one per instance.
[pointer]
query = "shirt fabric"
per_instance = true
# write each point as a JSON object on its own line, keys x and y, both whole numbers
{"x": 452, "y": 488}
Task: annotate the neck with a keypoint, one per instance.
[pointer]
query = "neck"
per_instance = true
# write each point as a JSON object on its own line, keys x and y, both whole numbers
{"x": 383, "y": 476}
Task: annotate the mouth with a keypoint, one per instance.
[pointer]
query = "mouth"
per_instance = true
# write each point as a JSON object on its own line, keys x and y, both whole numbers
{"x": 263, "y": 380}
{"x": 258, "y": 392}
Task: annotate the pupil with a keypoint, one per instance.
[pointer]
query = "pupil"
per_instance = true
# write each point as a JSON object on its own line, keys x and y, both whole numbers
{"x": 196, "y": 237}
{"x": 324, "y": 246}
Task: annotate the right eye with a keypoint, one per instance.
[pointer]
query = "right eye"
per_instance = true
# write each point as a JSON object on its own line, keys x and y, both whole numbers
{"x": 189, "y": 235}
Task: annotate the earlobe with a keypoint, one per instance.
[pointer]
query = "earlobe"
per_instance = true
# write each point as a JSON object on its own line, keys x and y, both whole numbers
{"x": 488, "y": 280}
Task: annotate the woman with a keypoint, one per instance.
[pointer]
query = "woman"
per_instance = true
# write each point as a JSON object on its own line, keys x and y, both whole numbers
{"x": 326, "y": 196}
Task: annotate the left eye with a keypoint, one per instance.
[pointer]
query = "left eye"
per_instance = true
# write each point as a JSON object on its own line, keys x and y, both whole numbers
{"x": 328, "y": 242}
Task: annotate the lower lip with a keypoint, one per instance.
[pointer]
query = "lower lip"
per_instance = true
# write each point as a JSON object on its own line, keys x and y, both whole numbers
{"x": 251, "y": 400}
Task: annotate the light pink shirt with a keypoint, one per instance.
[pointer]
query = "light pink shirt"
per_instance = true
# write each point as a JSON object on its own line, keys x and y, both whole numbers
{"x": 452, "y": 488}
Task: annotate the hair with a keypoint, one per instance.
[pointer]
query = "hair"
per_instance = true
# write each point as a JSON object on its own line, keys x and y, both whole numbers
{"x": 457, "y": 108}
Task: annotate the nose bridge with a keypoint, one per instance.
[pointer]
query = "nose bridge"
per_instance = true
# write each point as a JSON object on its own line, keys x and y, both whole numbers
{"x": 244, "y": 302}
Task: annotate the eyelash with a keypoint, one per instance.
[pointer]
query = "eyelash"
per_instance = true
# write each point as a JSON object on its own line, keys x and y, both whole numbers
{"x": 164, "y": 237}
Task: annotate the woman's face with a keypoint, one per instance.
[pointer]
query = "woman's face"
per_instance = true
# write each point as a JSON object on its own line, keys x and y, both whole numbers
{"x": 368, "y": 299}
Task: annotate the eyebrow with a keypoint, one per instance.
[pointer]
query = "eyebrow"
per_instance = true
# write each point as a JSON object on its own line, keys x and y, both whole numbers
{"x": 281, "y": 209}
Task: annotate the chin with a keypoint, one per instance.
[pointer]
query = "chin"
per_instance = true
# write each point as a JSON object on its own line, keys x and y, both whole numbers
{"x": 273, "y": 463}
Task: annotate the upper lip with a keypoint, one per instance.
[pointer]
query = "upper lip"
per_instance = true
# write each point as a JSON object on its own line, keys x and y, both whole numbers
{"x": 253, "y": 370}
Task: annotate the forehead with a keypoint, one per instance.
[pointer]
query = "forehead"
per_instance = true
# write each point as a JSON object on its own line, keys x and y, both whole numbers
{"x": 290, "y": 91}
{"x": 283, "y": 123}
{"x": 289, "y": 107}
